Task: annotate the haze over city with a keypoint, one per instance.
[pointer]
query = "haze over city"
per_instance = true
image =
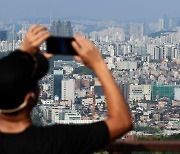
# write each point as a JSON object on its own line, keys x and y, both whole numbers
{"x": 101, "y": 9}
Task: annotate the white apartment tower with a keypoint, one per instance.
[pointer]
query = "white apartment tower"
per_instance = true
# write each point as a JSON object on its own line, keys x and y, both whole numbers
{"x": 68, "y": 89}
{"x": 161, "y": 24}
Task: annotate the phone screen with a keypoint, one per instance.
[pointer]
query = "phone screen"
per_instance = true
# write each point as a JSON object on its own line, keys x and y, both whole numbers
{"x": 60, "y": 45}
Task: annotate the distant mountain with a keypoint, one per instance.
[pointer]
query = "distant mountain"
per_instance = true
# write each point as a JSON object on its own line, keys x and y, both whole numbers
{"x": 160, "y": 33}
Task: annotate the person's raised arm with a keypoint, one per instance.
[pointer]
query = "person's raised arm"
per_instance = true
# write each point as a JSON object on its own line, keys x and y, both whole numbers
{"x": 119, "y": 117}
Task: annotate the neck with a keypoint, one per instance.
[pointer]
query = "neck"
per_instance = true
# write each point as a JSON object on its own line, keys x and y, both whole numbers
{"x": 14, "y": 124}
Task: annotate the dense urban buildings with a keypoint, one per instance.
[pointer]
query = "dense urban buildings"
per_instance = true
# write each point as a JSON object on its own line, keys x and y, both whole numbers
{"x": 144, "y": 58}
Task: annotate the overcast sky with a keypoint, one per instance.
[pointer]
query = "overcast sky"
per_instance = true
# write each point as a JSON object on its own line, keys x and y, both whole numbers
{"x": 95, "y": 9}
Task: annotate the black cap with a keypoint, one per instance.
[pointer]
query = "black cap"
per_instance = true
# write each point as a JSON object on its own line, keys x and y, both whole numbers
{"x": 19, "y": 74}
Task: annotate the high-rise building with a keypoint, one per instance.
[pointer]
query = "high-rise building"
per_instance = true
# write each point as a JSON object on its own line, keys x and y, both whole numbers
{"x": 154, "y": 51}
{"x": 12, "y": 36}
{"x": 125, "y": 89}
{"x": 3, "y": 35}
{"x": 161, "y": 24}
{"x": 22, "y": 33}
{"x": 150, "y": 49}
{"x": 166, "y": 22}
{"x": 61, "y": 28}
{"x": 157, "y": 52}
{"x": 57, "y": 78}
{"x": 67, "y": 89}
{"x": 162, "y": 52}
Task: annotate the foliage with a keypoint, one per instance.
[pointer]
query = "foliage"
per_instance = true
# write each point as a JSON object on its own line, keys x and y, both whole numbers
{"x": 174, "y": 137}
{"x": 146, "y": 129}
{"x": 142, "y": 138}
{"x": 83, "y": 70}
{"x": 160, "y": 33}
{"x": 158, "y": 137}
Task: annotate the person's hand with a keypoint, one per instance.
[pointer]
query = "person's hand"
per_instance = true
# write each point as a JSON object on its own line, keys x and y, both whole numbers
{"x": 36, "y": 35}
{"x": 87, "y": 52}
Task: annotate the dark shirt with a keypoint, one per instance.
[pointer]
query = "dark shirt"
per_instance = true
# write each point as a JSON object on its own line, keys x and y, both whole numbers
{"x": 57, "y": 139}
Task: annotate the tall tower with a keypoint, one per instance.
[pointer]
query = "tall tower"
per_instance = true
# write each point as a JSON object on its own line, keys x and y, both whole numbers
{"x": 61, "y": 28}
{"x": 161, "y": 24}
{"x": 66, "y": 29}
{"x": 166, "y": 22}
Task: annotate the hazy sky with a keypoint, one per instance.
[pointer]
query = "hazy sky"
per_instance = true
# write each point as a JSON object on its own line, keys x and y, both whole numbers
{"x": 98, "y": 9}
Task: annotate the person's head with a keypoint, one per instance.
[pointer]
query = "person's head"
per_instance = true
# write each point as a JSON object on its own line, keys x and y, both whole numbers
{"x": 20, "y": 72}
{"x": 18, "y": 82}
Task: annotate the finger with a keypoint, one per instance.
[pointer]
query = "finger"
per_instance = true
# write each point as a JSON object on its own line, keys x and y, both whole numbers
{"x": 79, "y": 40}
{"x": 39, "y": 35}
{"x": 39, "y": 29}
{"x": 41, "y": 39}
{"x": 32, "y": 28}
{"x": 82, "y": 41}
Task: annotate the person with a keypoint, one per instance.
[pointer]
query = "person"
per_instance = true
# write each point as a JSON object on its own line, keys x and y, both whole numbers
{"x": 20, "y": 72}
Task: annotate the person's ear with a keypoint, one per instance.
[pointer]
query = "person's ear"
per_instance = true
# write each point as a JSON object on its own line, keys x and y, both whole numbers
{"x": 30, "y": 96}
{"x": 33, "y": 96}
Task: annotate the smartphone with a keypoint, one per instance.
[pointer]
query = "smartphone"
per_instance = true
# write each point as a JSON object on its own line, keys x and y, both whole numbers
{"x": 60, "y": 45}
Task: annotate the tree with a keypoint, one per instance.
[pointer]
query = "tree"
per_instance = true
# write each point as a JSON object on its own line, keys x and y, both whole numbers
{"x": 83, "y": 70}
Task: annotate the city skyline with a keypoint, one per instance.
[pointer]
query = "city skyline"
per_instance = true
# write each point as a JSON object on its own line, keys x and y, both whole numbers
{"x": 144, "y": 59}
{"x": 107, "y": 10}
